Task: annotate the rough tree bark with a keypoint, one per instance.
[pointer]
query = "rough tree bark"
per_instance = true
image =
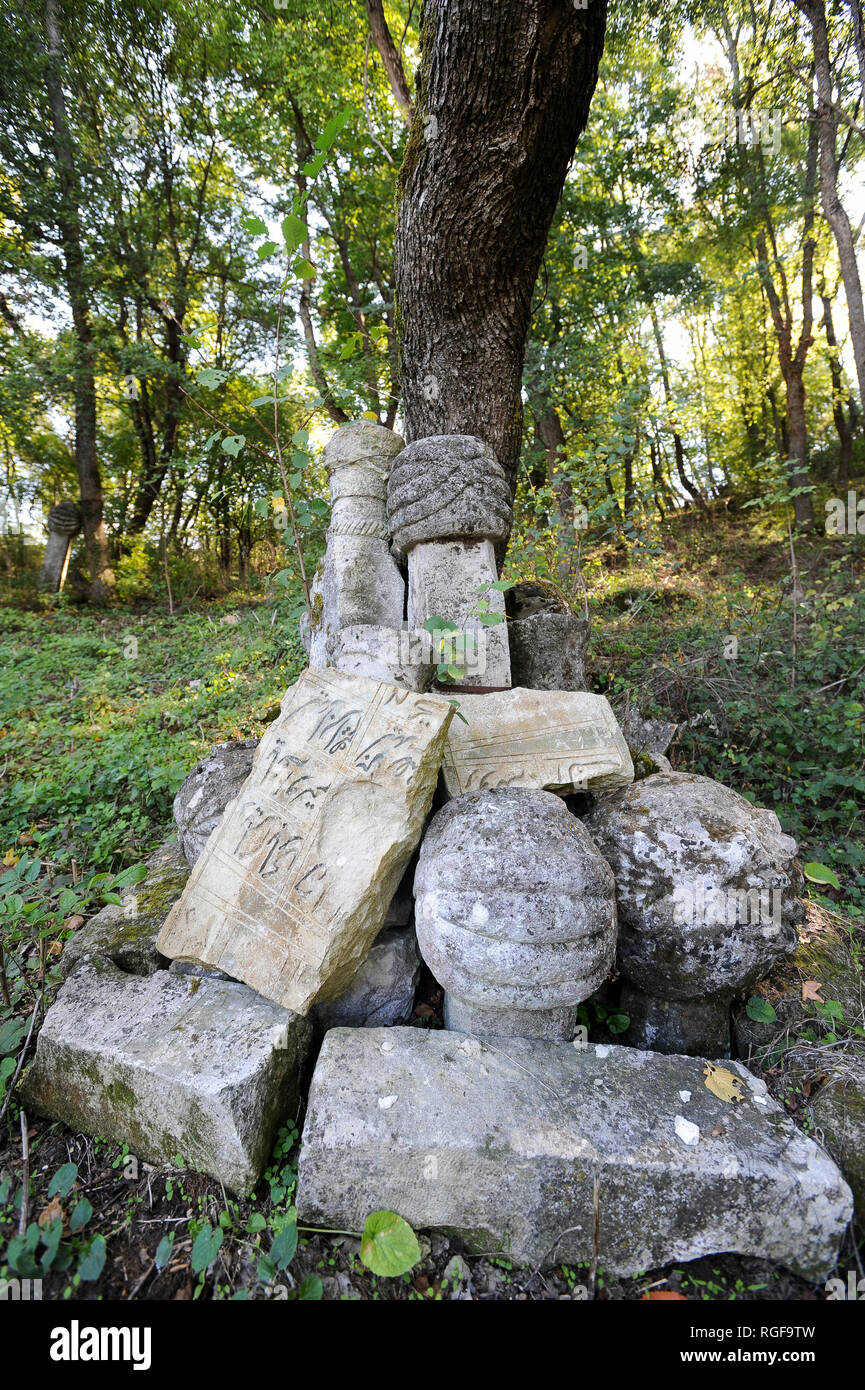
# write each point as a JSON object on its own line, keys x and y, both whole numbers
{"x": 833, "y": 209}
{"x": 502, "y": 94}
{"x": 84, "y": 380}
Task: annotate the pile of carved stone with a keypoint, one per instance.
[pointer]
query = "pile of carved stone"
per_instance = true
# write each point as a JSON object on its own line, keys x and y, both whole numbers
{"x": 548, "y": 881}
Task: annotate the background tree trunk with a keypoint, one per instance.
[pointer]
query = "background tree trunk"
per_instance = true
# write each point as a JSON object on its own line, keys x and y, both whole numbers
{"x": 84, "y": 383}
{"x": 503, "y": 92}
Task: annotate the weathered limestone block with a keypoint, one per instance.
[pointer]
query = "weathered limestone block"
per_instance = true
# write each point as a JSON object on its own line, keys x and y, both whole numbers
{"x": 693, "y": 1027}
{"x": 293, "y": 887}
{"x": 515, "y": 912}
{"x": 646, "y": 735}
{"x": 389, "y": 654}
{"x": 548, "y": 651}
{"x": 383, "y": 990}
{"x": 706, "y": 883}
{"x": 555, "y": 740}
{"x": 205, "y": 793}
{"x": 358, "y": 582}
{"x": 500, "y": 1139}
{"x": 530, "y": 596}
{"x": 448, "y": 502}
{"x": 126, "y": 933}
{"x": 170, "y": 1065}
{"x": 64, "y": 522}
{"x": 838, "y": 1113}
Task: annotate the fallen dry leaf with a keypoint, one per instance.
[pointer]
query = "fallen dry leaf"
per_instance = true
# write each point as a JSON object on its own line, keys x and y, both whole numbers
{"x": 666, "y": 1294}
{"x": 51, "y": 1213}
{"x": 723, "y": 1083}
{"x": 811, "y": 990}
{"x": 73, "y": 923}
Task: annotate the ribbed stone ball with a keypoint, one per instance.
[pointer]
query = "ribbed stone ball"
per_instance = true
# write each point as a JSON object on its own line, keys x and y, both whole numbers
{"x": 515, "y": 907}
{"x": 707, "y": 885}
{"x": 447, "y": 487}
{"x": 65, "y": 518}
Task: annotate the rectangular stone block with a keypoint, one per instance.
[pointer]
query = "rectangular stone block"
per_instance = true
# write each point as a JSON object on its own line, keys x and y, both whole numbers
{"x": 295, "y": 883}
{"x": 501, "y": 1139}
{"x": 170, "y": 1065}
{"x": 553, "y": 740}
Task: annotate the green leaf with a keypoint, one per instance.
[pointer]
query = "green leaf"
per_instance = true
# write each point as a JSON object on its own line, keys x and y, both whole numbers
{"x": 112, "y": 898}
{"x": 284, "y": 1245}
{"x": 233, "y": 443}
{"x": 435, "y": 624}
{"x": 819, "y": 873}
{"x": 211, "y": 377}
{"x": 254, "y": 225}
{"x": 295, "y": 231}
{"x": 311, "y": 1288}
{"x": 205, "y": 1248}
{"x": 93, "y": 1261}
{"x": 389, "y": 1245}
{"x": 66, "y": 900}
{"x": 332, "y": 130}
{"x": 256, "y": 1223}
{"x": 61, "y": 1184}
{"x": 304, "y": 269}
{"x": 502, "y": 585}
{"x": 164, "y": 1251}
{"x": 491, "y": 619}
{"x": 619, "y": 1023}
{"x": 81, "y": 1214}
{"x": 266, "y": 249}
{"x": 11, "y": 1033}
{"x": 134, "y": 874}
{"x": 760, "y": 1010}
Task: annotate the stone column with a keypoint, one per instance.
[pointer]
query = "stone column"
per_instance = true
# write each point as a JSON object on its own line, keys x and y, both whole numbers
{"x": 448, "y": 502}
{"x": 358, "y": 585}
{"x": 64, "y": 522}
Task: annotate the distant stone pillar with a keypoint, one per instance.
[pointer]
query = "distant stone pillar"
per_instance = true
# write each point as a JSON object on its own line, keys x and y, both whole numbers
{"x": 448, "y": 502}
{"x": 64, "y": 522}
{"x": 358, "y": 582}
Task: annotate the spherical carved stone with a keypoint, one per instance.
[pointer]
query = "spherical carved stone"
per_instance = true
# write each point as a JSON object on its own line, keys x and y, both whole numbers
{"x": 446, "y": 487}
{"x": 65, "y": 518}
{"x": 707, "y": 885}
{"x": 515, "y": 908}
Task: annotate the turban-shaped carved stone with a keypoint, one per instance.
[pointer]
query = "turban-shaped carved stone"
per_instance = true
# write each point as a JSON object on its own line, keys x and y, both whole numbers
{"x": 515, "y": 911}
{"x": 448, "y": 501}
{"x": 64, "y": 522}
{"x": 445, "y": 487}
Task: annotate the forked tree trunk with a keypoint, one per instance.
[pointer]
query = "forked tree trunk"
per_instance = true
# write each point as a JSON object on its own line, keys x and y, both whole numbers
{"x": 503, "y": 92}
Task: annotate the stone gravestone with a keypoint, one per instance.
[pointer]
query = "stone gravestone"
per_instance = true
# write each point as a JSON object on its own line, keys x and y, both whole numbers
{"x": 293, "y": 888}
{"x": 359, "y": 583}
{"x": 64, "y": 522}
{"x": 555, "y": 740}
{"x": 448, "y": 502}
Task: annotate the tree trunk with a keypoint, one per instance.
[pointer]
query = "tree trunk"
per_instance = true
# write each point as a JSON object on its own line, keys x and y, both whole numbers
{"x": 678, "y": 447}
{"x": 833, "y": 208}
{"x": 503, "y": 92}
{"x": 84, "y": 381}
{"x": 843, "y": 426}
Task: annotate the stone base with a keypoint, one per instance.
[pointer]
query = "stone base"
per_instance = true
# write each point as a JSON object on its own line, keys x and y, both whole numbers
{"x": 509, "y": 1023}
{"x": 170, "y": 1065}
{"x": 694, "y": 1027}
{"x": 501, "y": 1141}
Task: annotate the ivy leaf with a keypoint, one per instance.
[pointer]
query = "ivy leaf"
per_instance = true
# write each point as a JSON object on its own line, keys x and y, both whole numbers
{"x": 233, "y": 443}
{"x": 284, "y": 1245}
{"x": 389, "y": 1245}
{"x": 93, "y": 1261}
{"x": 819, "y": 873}
{"x": 81, "y": 1214}
{"x": 61, "y": 1184}
{"x": 205, "y": 1247}
{"x": 760, "y": 1010}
